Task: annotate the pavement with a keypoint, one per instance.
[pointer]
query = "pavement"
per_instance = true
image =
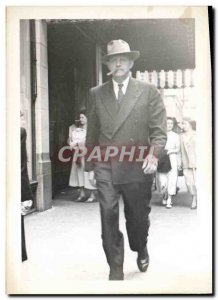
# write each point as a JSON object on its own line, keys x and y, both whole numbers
{"x": 65, "y": 254}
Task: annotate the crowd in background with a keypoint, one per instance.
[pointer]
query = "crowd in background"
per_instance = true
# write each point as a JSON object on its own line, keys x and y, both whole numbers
{"x": 179, "y": 159}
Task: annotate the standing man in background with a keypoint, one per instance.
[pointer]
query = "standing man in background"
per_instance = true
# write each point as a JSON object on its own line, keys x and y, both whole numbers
{"x": 26, "y": 192}
{"x": 127, "y": 114}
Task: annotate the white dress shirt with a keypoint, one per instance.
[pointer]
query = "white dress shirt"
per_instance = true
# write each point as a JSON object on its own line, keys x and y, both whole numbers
{"x": 124, "y": 87}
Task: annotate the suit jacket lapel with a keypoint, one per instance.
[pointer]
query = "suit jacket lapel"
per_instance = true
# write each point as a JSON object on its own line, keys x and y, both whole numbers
{"x": 109, "y": 100}
{"x": 132, "y": 94}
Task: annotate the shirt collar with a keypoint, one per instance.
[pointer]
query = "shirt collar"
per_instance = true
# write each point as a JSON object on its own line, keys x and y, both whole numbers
{"x": 125, "y": 84}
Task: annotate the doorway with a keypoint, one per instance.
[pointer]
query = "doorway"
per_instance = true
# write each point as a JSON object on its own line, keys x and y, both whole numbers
{"x": 71, "y": 65}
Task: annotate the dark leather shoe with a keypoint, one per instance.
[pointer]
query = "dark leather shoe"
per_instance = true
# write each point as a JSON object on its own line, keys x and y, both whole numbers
{"x": 143, "y": 261}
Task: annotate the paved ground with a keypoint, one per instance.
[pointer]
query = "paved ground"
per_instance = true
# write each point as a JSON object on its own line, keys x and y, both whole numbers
{"x": 66, "y": 256}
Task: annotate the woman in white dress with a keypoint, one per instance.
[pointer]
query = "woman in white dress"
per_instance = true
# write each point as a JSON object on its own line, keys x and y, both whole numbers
{"x": 78, "y": 177}
{"x": 167, "y": 181}
{"x": 188, "y": 155}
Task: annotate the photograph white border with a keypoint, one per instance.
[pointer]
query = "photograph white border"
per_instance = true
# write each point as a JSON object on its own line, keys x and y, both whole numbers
{"x": 204, "y": 129}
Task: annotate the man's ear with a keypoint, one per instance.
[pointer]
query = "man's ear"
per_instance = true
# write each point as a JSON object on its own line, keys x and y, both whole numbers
{"x": 131, "y": 63}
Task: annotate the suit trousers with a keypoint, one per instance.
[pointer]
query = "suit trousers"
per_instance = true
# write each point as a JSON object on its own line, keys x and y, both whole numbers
{"x": 136, "y": 197}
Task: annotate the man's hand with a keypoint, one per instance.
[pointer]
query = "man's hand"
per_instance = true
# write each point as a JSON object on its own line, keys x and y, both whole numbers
{"x": 150, "y": 164}
{"x": 26, "y": 206}
{"x": 91, "y": 177}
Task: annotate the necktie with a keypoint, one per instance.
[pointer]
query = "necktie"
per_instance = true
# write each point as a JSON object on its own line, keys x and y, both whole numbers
{"x": 120, "y": 93}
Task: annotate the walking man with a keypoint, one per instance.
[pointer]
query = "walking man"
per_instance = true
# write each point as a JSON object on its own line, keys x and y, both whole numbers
{"x": 127, "y": 115}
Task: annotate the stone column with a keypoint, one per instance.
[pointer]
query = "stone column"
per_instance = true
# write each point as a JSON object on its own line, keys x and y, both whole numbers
{"x": 43, "y": 163}
{"x": 25, "y": 88}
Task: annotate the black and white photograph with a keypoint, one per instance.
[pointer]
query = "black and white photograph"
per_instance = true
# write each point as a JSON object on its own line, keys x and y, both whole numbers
{"x": 109, "y": 179}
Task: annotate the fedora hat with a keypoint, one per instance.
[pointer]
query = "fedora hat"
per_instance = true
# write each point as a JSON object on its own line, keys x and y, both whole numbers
{"x": 116, "y": 47}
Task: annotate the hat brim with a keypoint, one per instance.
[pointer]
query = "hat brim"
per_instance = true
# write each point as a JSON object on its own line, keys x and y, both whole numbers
{"x": 132, "y": 55}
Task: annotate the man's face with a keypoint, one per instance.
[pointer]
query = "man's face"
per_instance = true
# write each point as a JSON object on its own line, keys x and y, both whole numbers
{"x": 120, "y": 65}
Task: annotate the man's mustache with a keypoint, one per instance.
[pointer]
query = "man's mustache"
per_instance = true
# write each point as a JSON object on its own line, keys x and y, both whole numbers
{"x": 112, "y": 72}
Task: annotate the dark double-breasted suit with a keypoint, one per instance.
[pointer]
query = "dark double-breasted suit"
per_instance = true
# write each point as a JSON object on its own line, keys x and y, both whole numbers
{"x": 140, "y": 120}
